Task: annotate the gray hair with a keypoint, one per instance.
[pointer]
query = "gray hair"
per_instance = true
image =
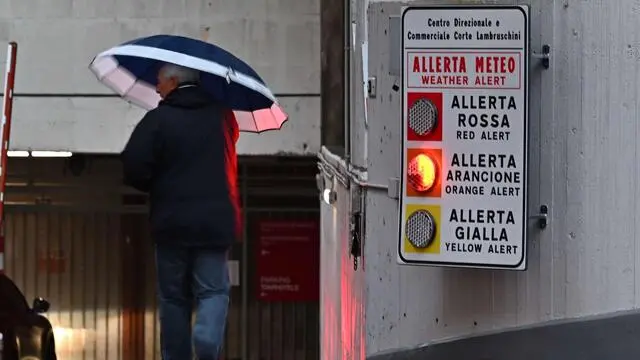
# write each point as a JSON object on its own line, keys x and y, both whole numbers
{"x": 181, "y": 73}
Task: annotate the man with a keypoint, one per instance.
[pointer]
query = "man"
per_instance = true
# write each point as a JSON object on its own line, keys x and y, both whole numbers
{"x": 183, "y": 154}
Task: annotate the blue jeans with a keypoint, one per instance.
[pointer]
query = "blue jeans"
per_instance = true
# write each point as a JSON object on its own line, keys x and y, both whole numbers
{"x": 187, "y": 276}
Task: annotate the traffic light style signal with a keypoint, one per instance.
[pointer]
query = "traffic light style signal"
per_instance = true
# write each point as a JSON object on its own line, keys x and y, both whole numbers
{"x": 424, "y": 116}
{"x": 421, "y": 233}
{"x": 424, "y": 172}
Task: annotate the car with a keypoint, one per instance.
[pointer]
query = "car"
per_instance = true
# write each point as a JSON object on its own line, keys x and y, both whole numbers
{"x": 25, "y": 332}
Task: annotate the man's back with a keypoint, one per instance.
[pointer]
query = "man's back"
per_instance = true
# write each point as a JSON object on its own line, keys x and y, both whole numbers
{"x": 183, "y": 154}
{"x": 193, "y": 179}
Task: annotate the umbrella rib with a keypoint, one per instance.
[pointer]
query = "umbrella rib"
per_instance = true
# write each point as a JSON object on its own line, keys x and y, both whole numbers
{"x": 253, "y": 113}
{"x": 273, "y": 119}
{"x": 131, "y": 87}
{"x": 107, "y": 74}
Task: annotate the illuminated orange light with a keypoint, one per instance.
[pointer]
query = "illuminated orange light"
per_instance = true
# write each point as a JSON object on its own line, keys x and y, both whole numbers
{"x": 422, "y": 173}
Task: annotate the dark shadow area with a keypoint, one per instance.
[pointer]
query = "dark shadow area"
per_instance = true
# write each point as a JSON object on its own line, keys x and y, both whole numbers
{"x": 612, "y": 338}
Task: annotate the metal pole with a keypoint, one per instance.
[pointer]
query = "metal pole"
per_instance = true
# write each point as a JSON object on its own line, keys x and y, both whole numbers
{"x": 244, "y": 269}
{"x": 347, "y": 80}
{"x": 7, "y": 107}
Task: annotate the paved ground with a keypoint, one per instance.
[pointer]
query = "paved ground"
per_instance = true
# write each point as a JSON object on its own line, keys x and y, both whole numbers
{"x": 606, "y": 338}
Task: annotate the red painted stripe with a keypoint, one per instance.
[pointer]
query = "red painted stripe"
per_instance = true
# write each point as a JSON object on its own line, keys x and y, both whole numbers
{"x": 8, "y": 111}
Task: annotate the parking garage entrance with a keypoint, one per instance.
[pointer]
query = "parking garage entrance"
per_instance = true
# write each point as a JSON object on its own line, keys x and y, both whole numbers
{"x": 78, "y": 238}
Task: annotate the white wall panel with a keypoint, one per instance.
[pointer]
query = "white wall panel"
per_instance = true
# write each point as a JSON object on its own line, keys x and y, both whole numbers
{"x": 103, "y": 125}
{"x": 57, "y": 40}
{"x": 584, "y": 165}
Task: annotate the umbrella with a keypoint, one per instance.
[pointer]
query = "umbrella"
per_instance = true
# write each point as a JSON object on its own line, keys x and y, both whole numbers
{"x": 130, "y": 69}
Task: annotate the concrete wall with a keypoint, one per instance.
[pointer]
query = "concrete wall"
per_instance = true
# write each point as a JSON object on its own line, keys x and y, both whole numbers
{"x": 342, "y": 295}
{"x": 61, "y": 108}
{"x": 583, "y": 165}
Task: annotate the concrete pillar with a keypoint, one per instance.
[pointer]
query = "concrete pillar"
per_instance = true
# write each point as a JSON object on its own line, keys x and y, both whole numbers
{"x": 332, "y": 73}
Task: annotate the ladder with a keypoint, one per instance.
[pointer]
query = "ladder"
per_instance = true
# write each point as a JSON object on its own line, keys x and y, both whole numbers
{"x": 5, "y": 130}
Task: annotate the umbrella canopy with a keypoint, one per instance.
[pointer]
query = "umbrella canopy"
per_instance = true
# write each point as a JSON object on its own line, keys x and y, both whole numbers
{"x": 131, "y": 69}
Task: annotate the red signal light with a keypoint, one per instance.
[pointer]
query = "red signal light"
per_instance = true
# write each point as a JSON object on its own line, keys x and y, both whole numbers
{"x": 422, "y": 173}
{"x": 423, "y": 117}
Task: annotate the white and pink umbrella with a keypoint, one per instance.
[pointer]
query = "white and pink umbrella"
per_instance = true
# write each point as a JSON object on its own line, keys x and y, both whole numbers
{"x": 130, "y": 69}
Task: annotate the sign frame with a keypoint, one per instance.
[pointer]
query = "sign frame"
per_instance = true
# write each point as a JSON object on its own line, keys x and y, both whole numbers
{"x": 523, "y": 263}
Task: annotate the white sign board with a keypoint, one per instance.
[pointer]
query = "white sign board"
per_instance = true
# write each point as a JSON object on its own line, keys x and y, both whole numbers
{"x": 464, "y": 156}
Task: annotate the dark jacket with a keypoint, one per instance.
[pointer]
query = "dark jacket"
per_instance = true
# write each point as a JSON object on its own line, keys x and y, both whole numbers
{"x": 183, "y": 154}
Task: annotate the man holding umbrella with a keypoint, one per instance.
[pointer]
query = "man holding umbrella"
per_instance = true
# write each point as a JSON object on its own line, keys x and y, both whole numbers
{"x": 183, "y": 154}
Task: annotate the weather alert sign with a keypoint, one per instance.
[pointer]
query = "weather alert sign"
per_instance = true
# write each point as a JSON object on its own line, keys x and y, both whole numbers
{"x": 465, "y": 129}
